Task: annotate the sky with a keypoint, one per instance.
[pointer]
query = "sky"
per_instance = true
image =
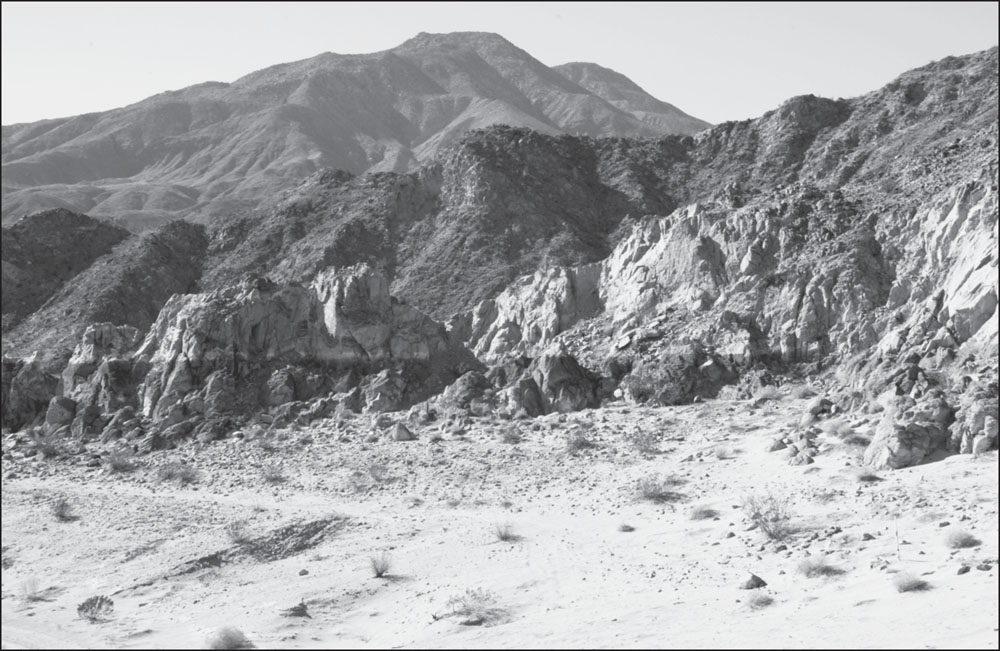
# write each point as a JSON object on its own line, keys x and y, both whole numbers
{"x": 716, "y": 61}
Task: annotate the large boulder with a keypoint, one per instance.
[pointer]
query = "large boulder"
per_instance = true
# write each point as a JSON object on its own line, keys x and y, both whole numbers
{"x": 27, "y": 390}
{"x": 564, "y": 385}
{"x": 909, "y": 432}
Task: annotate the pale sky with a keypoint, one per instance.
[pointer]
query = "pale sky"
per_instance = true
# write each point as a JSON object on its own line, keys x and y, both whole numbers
{"x": 716, "y": 61}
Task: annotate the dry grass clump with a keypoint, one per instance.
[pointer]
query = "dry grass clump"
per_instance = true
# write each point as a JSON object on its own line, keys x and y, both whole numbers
{"x": 723, "y": 452}
{"x": 96, "y": 609}
{"x": 644, "y": 441}
{"x": 476, "y": 607}
{"x": 228, "y": 637}
{"x": 816, "y": 566}
{"x": 659, "y": 489}
{"x": 505, "y": 533}
{"x": 960, "y": 539}
{"x": 511, "y": 435}
{"x": 238, "y": 532}
{"x": 908, "y": 583}
{"x": 578, "y": 441}
{"x": 62, "y": 509}
{"x": 866, "y": 475}
{"x": 759, "y": 601}
{"x": 380, "y": 565}
{"x": 182, "y": 473}
{"x": 838, "y": 427}
{"x": 120, "y": 461}
{"x": 769, "y": 512}
{"x": 703, "y": 513}
{"x": 274, "y": 474}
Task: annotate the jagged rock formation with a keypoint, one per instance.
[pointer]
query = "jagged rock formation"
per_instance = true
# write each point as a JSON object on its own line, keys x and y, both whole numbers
{"x": 214, "y": 147}
{"x": 255, "y": 345}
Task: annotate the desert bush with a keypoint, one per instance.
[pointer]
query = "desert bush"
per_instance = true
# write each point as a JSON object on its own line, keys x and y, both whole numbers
{"x": 62, "y": 509}
{"x": 866, "y": 475}
{"x": 182, "y": 473}
{"x": 380, "y": 565}
{"x": 815, "y": 566}
{"x": 908, "y": 583}
{"x": 723, "y": 452}
{"x": 238, "y": 532}
{"x": 46, "y": 447}
{"x": 759, "y": 601}
{"x": 273, "y": 474}
{"x": 511, "y": 435}
{"x": 228, "y": 637}
{"x": 838, "y": 427}
{"x": 959, "y": 539}
{"x": 120, "y": 461}
{"x": 96, "y": 609}
{"x": 703, "y": 513}
{"x": 644, "y": 441}
{"x": 379, "y": 472}
{"x": 769, "y": 512}
{"x": 577, "y": 441}
{"x": 505, "y": 533}
{"x": 658, "y": 489}
{"x": 477, "y": 607}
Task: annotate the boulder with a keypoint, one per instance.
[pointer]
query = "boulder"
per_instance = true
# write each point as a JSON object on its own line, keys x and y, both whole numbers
{"x": 401, "y": 432}
{"x": 60, "y": 412}
{"x": 27, "y": 390}
{"x": 909, "y": 432}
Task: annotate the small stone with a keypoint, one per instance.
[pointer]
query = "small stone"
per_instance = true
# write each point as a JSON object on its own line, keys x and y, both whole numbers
{"x": 964, "y": 570}
{"x": 867, "y": 536}
{"x": 303, "y": 572}
{"x": 985, "y": 567}
{"x": 944, "y": 524}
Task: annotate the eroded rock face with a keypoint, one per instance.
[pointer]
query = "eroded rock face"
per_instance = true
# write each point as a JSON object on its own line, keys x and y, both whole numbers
{"x": 27, "y": 390}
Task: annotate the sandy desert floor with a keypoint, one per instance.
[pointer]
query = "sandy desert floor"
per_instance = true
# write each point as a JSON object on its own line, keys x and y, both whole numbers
{"x": 234, "y": 549}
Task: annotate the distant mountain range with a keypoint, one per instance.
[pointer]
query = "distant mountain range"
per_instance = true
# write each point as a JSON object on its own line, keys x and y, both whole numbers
{"x": 216, "y": 148}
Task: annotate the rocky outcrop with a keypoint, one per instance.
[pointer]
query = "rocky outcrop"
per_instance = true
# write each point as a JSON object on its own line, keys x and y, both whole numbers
{"x": 260, "y": 344}
{"x": 27, "y": 390}
{"x": 909, "y": 431}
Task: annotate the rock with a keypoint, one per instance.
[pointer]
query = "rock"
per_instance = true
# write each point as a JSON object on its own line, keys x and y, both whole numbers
{"x": 819, "y": 406}
{"x": 752, "y": 582}
{"x": 27, "y": 390}
{"x": 964, "y": 569}
{"x": 60, "y": 412}
{"x": 775, "y": 445}
{"x": 401, "y": 432}
{"x": 908, "y": 432}
{"x": 800, "y": 459}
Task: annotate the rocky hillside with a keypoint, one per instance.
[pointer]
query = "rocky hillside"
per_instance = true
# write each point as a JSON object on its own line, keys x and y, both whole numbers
{"x": 215, "y": 148}
{"x": 44, "y": 251}
{"x": 856, "y": 239}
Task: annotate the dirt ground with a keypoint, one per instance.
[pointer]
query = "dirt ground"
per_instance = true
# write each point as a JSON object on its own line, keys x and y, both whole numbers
{"x": 297, "y": 517}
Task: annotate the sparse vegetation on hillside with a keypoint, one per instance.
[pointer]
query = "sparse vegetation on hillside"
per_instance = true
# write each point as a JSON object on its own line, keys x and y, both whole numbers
{"x": 770, "y": 512}
{"x": 96, "y": 609}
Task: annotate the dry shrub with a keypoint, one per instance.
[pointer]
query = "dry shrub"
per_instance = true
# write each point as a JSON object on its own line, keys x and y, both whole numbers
{"x": 380, "y": 565}
{"x": 96, "y": 609}
{"x": 658, "y": 489}
{"x": 476, "y": 607}
{"x": 274, "y": 474}
{"x": 228, "y": 637}
{"x": 905, "y": 582}
{"x": 578, "y": 441}
{"x": 120, "y": 461}
{"x": 804, "y": 391}
{"x": 238, "y": 532}
{"x": 759, "y": 601}
{"x": 644, "y": 441}
{"x": 815, "y": 566}
{"x": 959, "y": 539}
{"x": 768, "y": 392}
{"x": 182, "y": 473}
{"x": 505, "y": 533}
{"x": 62, "y": 509}
{"x": 703, "y": 513}
{"x": 769, "y": 512}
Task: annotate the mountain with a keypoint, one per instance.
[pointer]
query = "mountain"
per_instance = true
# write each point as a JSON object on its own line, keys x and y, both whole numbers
{"x": 855, "y": 239}
{"x": 218, "y": 148}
